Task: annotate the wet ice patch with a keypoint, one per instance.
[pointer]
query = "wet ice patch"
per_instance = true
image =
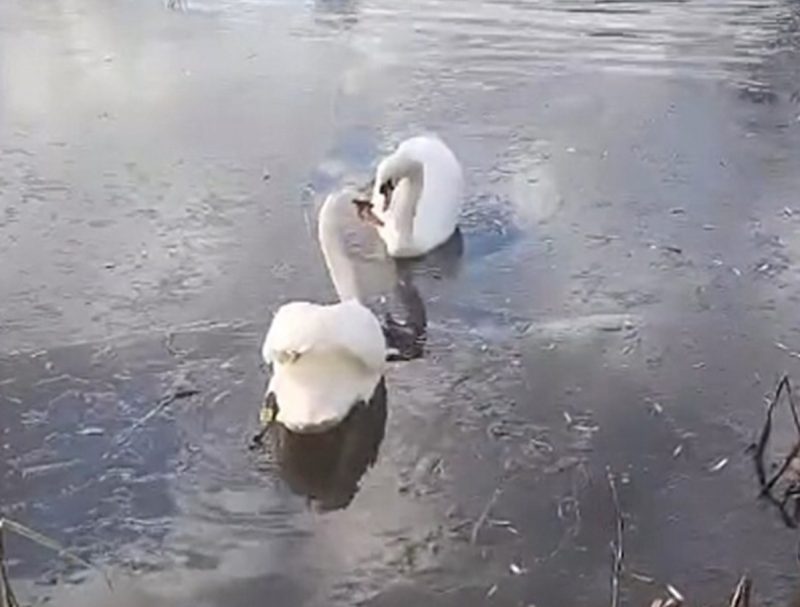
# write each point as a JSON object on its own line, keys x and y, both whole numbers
{"x": 536, "y": 194}
{"x": 579, "y": 326}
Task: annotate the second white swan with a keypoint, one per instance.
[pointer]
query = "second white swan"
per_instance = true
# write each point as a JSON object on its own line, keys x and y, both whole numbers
{"x": 416, "y": 198}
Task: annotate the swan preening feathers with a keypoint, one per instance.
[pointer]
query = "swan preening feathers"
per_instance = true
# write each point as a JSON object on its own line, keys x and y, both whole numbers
{"x": 416, "y": 197}
{"x": 326, "y": 359}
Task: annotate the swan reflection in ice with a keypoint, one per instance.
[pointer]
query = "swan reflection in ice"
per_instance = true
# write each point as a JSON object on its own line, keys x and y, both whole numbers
{"x": 327, "y": 467}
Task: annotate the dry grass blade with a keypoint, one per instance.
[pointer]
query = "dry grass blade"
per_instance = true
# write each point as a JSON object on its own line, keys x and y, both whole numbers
{"x": 476, "y": 528}
{"x": 7, "y": 598}
{"x": 781, "y": 469}
{"x": 741, "y": 595}
{"x": 766, "y": 431}
{"x": 768, "y": 483}
{"x": 786, "y": 385}
{"x": 124, "y": 436}
{"x": 675, "y": 594}
{"x": 792, "y": 406}
{"x": 617, "y": 550}
{"x": 43, "y": 540}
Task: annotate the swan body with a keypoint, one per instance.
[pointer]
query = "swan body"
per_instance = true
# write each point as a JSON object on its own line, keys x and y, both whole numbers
{"x": 325, "y": 358}
{"x": 417, "y": 196}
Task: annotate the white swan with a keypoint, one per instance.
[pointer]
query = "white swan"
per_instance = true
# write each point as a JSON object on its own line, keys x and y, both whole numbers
{"x": 416, "y": 198}
{"x": 325, "y": 358}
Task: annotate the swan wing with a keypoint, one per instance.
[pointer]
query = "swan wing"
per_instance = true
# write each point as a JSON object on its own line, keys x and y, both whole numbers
{"x": 350, "y": 327}
{"x": 326, "y": 359}
{"x": 295, "y": 328}
{"x": 355, "y": 328}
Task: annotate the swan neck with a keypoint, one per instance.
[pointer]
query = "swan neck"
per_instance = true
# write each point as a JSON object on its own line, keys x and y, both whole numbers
{"x": 331, "y": 239}
{"x": 408, "y": 192}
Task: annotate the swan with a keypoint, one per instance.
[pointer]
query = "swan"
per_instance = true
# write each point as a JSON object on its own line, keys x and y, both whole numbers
{"x": 416, "y": 197}
{"x": 326, "y": 359}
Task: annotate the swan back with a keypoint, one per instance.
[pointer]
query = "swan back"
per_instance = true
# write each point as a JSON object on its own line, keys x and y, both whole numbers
{"x": 440, "y": 202}
{"x": 324, "y": 359}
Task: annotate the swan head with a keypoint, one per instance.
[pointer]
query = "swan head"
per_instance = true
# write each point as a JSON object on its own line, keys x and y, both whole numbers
{"x": 330, "y": 211}
{"x": 364, "y": 206}
{"x": 390, "y": 172}
{"x": 386, "y": 189}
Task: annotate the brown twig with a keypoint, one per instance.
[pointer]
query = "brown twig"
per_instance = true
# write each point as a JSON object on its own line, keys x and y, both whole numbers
{"x": 767, "y": 483}
{"x": 41, "y": 539}
{"x": 781, "y": 469}
{"x": 792, "y": 406}
{"x": 617, "y": 550}
{"x": 766, "y": 431}
{"x": 780, "y": 505}
{"x": 7, "y": 598}
{"x": 473, "y": 536}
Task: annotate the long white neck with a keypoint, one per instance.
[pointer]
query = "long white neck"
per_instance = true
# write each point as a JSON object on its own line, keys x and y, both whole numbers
{"x": 409, "y": 177}
{"x": 331, "y": 240}
{"x": 406, "y": 198}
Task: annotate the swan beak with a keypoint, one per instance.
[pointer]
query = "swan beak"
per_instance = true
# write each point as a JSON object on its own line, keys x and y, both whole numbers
{"x": 365, "y": 213}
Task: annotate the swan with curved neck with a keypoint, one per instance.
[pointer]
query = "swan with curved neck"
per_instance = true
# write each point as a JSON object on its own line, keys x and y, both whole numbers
{"x": 325, "y": 358}
{"x": 416, "y": 198}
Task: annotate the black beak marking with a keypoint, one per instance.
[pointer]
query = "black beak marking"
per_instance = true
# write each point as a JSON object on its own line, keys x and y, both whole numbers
{"x": 386, "y": 190}
{"x": 363, "y": 206}
{"x": 365, "y": 213}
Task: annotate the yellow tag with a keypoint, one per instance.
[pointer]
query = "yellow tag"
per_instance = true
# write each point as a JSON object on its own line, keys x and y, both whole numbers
{"x": 267, "y": 415}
